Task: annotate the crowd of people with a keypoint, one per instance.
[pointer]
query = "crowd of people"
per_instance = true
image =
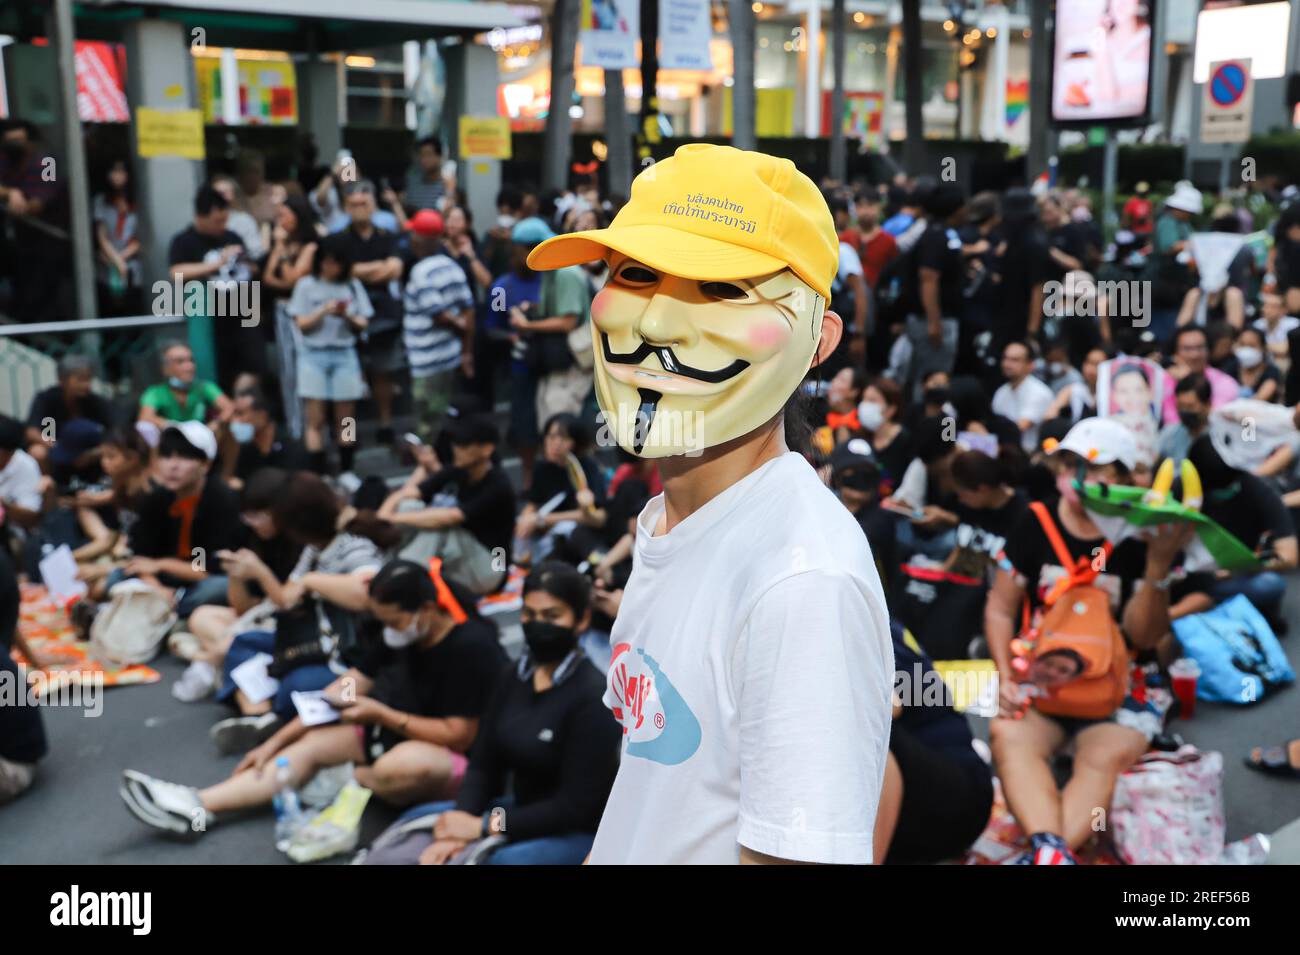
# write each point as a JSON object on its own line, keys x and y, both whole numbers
{"x": 984, "y": 370}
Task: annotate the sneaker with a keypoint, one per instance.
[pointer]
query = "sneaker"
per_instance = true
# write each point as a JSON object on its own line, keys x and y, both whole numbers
{"x": 1047, "y": 849}
{"x": 170, "y": 807}
{"x": 184, "y": 644}
{"x": 198, "y": 681}
{"x": 82, "y": 615}
{"x": 334, "y": 830}
{"x": 239, "y": 734}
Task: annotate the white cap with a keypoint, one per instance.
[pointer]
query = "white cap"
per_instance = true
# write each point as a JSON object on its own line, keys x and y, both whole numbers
{"x": 1186, "y": 198}
{"x": 197, "y": 434}
{"x": 1101, "y": 441}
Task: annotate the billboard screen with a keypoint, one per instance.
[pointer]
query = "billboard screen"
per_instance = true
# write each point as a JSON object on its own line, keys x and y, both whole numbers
{"x": 1101, "y": 62}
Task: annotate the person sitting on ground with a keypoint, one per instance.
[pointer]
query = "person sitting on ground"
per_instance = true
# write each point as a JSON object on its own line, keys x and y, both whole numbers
{"x": 855, "y": 479}
{"x": 938, "y": 791}
{"x": 556, "y": 505}
{"x": 1252, "y": 365}
{"x": 1191, "y": 355}
{"x": 106, "y": 517}
{"x": 22, "y": 732}
{"x": 468, "y": 515}
{"x": 184, "y": 522}
{"x": 558, "y": 790}
{"x": 1024, "y": 399}
{"x": 1192, "y": 395}
{"x": 258, "y": 441}
{"x": 341, "y": 550}
{"x": 182, "y": 396}
{"x": 409, "y": 711}
{"x": 71, "y": 399}
{"x": 1252, "y": 510}
{"x": 23, "y": 489}
{"x": 1135, "y": 576}
{"x": 254, "y": 574}
{"x": 1078, "y": 400}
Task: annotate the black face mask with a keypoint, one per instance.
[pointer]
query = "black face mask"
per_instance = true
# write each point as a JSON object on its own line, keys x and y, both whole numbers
{"x": 936, "y": 396}
{"x": 1191, "y": 420}
{"x": 549, "y": 642}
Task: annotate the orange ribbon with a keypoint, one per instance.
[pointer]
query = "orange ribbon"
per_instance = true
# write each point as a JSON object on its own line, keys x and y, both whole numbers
{"x": 446, "y": 599}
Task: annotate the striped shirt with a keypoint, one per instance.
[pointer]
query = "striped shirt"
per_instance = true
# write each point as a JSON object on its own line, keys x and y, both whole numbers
{"x": 436, "y": 285}
{"x": 422, "y": 194}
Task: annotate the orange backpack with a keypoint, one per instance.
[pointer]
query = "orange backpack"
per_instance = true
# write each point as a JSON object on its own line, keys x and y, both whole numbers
{"x": 1076, "y": 616}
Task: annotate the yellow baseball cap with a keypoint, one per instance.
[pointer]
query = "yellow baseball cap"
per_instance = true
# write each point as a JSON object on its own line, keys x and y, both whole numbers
{"x": 714, "y": 213}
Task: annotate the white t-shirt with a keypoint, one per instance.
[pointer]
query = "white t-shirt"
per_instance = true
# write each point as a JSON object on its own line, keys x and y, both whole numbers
{"x": 752, "y": 668}
{"x": 1028, "y": 401}
{"x": 1277, "y": 335}
{"x": 20, "y": 482}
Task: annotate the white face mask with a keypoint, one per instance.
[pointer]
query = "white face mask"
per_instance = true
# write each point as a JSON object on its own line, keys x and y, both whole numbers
{"x": 1249, "y": 357}
{"x": 405, "y": 637}
{"x": 871, "y": 415}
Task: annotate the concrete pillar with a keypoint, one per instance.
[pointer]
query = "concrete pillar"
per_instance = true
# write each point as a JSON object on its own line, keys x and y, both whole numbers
{"x": 161, "y": 77}
{"x": 77, "y": 180}
{"x": 472, "y": 80}
{"x": 322, "y": 104}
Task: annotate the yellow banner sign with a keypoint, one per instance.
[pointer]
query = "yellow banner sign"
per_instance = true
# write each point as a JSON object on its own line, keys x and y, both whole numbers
{"x": 485, "y": 136}
{"x": 169, "y": 132}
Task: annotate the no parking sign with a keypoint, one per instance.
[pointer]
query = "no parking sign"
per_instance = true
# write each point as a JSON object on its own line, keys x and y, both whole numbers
{"x": 1228, "y": 102}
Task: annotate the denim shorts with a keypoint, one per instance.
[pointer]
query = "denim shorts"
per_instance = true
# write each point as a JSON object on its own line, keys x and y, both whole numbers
{"x": 330, "y": 374}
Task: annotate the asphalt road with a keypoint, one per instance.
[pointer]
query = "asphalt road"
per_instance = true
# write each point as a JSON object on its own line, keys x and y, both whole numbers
{"x": 73, "y": 813}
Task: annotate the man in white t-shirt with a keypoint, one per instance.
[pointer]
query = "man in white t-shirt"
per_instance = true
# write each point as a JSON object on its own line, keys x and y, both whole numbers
{"x": 22, "y": 487}
{"x": 1024, "y": 399}
{"x": 752, "y": 662}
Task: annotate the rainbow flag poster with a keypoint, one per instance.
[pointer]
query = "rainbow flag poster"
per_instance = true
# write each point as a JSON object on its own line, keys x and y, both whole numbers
{"x": 1017, "y": 99}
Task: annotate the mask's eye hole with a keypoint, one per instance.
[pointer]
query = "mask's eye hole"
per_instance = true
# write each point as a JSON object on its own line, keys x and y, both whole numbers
{"x": 723, "y": 290}
{"x": 636, "y": 275}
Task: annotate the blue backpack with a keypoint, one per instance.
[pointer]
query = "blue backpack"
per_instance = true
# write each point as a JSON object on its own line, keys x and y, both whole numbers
{"x": 1239, "y": 656}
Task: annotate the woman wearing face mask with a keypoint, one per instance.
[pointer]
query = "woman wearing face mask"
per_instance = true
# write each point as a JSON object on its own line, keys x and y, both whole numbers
{"x": 408, "y": 711}
{"x": 1078, "y": 400}
{"x": 558, "y": 785}
{"x": 878, "y": 412}
{"x": 1135, "y": 575}
{"x": 1259, "y": 377}
{"x": 105, "y": 516}
{"x": 843, "y": 394}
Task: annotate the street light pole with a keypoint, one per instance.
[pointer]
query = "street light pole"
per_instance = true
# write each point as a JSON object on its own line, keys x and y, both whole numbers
{"x": 74, "y": 175}
{"x": 740, "y": 23}
{"x": 839, "y": 157}
{"x": 559, "y": 125}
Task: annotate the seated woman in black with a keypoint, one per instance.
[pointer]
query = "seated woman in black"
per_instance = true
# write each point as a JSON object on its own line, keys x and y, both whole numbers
{"x": 547, "y": 731}
{"x": 556, "y": 505}
{"x": 938, "y": 791}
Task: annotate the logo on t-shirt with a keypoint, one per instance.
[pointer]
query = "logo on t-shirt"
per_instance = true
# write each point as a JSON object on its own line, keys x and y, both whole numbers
{"x": 657, "y": 723}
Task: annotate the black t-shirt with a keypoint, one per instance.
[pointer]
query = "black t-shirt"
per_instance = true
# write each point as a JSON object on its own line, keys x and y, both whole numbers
{"x": 894, "y": 458}
{"x": 982, "y": 535}
{"x": 1023, "y": 266}
{"x": 1287, "y": 263}
{"x": 551, "y": 479}
{"x": 488, "y": 504}
{"x": 190, "y": 245}
{"x": 287, "y": 453}
{"x": 1254, "y": 511}
{"x": 1032, "y": 556}
{"x": 51, "y": 404}
{"x": 939, "y": 248}
{"x": 454, "y": 677}
{"x": 559, "y": 749}
{"x": 379, "y": 245}
{"x": 22, "y": 734}
{"x": 216, "y": 525}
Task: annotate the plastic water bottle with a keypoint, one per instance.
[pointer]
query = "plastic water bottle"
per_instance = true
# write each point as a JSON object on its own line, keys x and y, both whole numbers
{"x": 288, "y": 810}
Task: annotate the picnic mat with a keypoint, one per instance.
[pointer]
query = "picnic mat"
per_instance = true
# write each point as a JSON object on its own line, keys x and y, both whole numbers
{"x": 1003, "y": 840}
{"x": 44, "y": 624}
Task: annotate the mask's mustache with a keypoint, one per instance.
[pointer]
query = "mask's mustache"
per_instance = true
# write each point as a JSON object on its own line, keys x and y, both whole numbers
{"x": 670, "y": 363}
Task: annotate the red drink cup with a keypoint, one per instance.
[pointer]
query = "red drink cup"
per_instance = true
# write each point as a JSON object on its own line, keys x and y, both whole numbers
{"x": 1183, "y": 675}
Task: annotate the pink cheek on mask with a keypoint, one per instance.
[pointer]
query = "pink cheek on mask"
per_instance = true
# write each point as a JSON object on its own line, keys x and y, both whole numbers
{"x": 767, "y": 337}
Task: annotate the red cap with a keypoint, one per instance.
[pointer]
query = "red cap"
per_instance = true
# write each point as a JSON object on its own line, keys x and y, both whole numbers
{"x": 425, "y": 222}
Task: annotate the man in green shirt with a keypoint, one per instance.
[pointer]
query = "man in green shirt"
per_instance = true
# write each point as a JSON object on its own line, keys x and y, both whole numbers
{"x": 565, "y": 304}
{"x": 182, "y": 396}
